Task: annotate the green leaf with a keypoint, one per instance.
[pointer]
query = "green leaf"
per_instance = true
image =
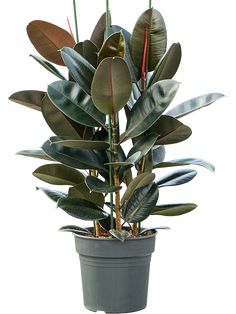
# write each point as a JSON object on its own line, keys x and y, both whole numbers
{"x": 74, "y": 157}
{"x": 120, "y": 235}
{"x": 88, "y": 50}
{"x": 144, "y": 144}
{"x": 80, "y": 69}
{"x": 114, "y": 46}
{"x": 75, "y": 229}
{"x": 173, "y": 209}
{"x": 176, "y": 177}
{"x": 168, "y": 65}
{"x": 81, "y": 209}
{"x": 152, "y": 22}
{"x": 111, "y": 86}
{"x": 70, "y": 141}
{"x": 75, "y": 103}
{"x": 97, "y": 185}
{"x": 140, "y": 204}
{"x": 158, "y": 154}
{"x": 129, "y": 161}
{"x": 106, "y": 223}
{"x": 149, "y": 107}
{"x": 53, "y": 194}
{"x": 171, "y": 130}
{"x": 138, "y": 182}
{"x": 60, "y": 124}
{"x": 185, "y": 162}
{"x": 29, "y": 98}
{"x": 48, "y": 39}
{"x": 82, "y": 191}
{"x": 58, "y": 174}
{"x": 153, "y": 230}
{"x": 34, "y": 153}
{"x": 48, "y": 66}
{"x": 97, "y": 36}
{"x": 193, "y": 104}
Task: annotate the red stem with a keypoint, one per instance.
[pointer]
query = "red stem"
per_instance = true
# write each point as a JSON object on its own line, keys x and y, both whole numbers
{"x": 70, "y": 28}
{"x": 144, "y": 61}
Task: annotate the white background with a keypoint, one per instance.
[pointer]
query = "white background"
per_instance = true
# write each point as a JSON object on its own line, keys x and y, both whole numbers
{"x": 193, "y": 268}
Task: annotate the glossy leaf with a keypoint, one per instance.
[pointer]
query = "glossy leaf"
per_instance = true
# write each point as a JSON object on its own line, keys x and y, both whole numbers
{"x": 58, "y": 174}
{"x": 153, "y": 230}
{"x": 29, "y": 98}
{"x": 173, "y": 209}
{"x": 96, "y": 185}
{"x": 97, "y": 36}
{"x": 158, "y": 154}
{"x": 171, "y": 130}
{"x": 185, "y": 162}
{"x": 152, "y": 22}
{"x": 70, "y": 141}
{"x": 81, "y": 209}
{"x": 144, "y": 144}
{"x": 60, "y": 124}
{"x": 193, "y": 104}
{"x": 106, "y": 223}
{"x": 48, "y": 39}
{"x": 53, "y": 194}
{"x": 74, "y": 157}
{"x": 114, "y": 46}
{"x": 75, "y": 103}
{"x": 48, "y": 66}
{"x": 176, "y": 177}
{"x": 111, "y": 86}
{"x": 75, "y": 229}
{"x": 129, "y": 161}
{"x": 138, "y": 182}
{"x": 141, "y": 203}
{"x": 34, "y": 153}
{"x": 149, "y": 107}
{"x": 168, "y": 65}
{"x": 120, "y": 235}
{"x": 88, "y": 50}
{"x": 80, "y": 69}
{"x": 82, "y": 191}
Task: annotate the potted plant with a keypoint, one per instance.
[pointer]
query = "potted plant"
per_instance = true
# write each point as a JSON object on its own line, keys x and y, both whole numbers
{"x": 111, "y": 123}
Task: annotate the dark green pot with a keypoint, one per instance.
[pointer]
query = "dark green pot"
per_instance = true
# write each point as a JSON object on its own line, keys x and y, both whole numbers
{"x": 114, "y": 274}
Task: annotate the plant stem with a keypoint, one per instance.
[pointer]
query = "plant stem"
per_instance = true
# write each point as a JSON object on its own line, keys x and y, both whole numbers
{"x": 110, "y": 171}
{"x": 107, "y": 18}
{"x": 150, "y": 4}
{"x": 76, "y": 23}
{"x": 97, "y": 229}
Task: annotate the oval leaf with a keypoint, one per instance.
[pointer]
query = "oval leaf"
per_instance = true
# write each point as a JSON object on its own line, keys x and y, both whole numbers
{"x": 193, "y": 104}
{"x": 34, "y": 153}
{"x": 29, "y": 98}
{"x": 141, "y": 203}
{"x": 75, "y": 229}
{"x": 97, "y": 185}
{"x": 81, "y": 209}
{"x": 144, "y": 144}
{"x": 173, "y": 209}
{"x": 70, "y": 141}
{"x": 185, "y": 162}
{"x": 149, "y": 107}
{"x": 111, "y": 86}
{"x": 88, "y": 50}
{"x": 48, "y": 39}
{"x": 75, "y": 103}
{"x": 53, "y": 194}
{"x": 58, "y": 174}
{"x": 82, "y": 191}
{"x": 120, "y": 235}
{"x": 158, "y": 154}
{"x": 176, "y": 177}
{"x": 97, "y": 36}
{"x": 114, "y": 46}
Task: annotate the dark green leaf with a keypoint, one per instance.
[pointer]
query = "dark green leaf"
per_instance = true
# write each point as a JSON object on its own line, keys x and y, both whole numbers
{"x": 149, "y": 107}
{"x": 111, "y": 86}
{"x": 82, "y": 191}
{"x": 81, "y": 209}
{"x": 48, "y": 66}
{"x": 158, "y": 154}
{"x": 114, "y": 46}
{"x": 80, "y": 69}
{"x": 70, "y": 141}
{"x": 48, "y": 39}
{"x": 171, "y": 130}
{"x": 53, "y": 194}
{"x": 152, "y": 22}
{"x": 97, "y": 185}
{"x": 106, "y": 223}
{"x": 138, "y": 182}
{"x": 176, "y": 177}
{"x": 193, "y": 104}
{"x": 144, "y": 144}
{"x": 58, "y": 174}
{"x": 88, "y": 50}
{"x": 173, "y": 209}
{"x": 120, "y": 235}
{"x": 185, "y": 162}
{"x": 97, "y": 36}
{"x": 75, "y": 103}
{"x": 29, "y": 98}
{"x": 34, "y": 153}
{"x": 75, "y": 229}
{"x": 129, "y": 161}
{"x": 141, "y": 203}
{"x": 168, "y": 65}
